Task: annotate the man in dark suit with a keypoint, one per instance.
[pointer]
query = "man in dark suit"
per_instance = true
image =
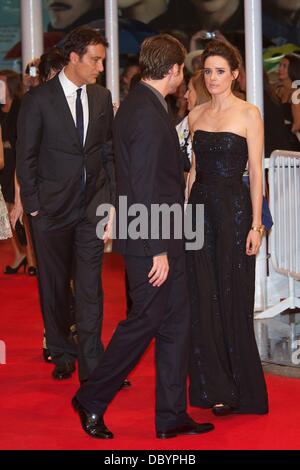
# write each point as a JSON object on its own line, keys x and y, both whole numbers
{"x": 149, "y": 171}
{"x": 65, "y": 168}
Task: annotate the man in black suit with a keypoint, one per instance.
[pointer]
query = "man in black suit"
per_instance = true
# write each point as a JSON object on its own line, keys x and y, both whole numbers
{"x": 65, "y": 168}
{"x": 149, "y": 171}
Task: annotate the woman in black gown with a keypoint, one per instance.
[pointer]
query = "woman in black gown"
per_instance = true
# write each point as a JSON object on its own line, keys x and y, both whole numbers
{"x": 225, "y": 369}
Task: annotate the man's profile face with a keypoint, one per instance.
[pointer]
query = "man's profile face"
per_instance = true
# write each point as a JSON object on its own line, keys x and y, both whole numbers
{"x": 90, "y": 65}
{"x": 63, "y": 13}
{"x": 176, "y": 77}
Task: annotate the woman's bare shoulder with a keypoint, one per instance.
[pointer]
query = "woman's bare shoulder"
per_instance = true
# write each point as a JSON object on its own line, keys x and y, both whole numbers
{"x": 249, "y": 109}
{"x": 196, "y": 113}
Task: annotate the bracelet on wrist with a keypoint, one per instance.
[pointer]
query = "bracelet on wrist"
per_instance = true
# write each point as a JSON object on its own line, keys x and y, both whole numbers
{"x": 258, "y": 228}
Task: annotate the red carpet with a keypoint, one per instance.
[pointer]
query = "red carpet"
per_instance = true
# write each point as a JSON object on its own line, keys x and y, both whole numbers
{"x": 35, "y": 411}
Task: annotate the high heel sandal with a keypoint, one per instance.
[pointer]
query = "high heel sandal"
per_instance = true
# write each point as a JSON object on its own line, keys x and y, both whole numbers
{"x": 11, "y": 270}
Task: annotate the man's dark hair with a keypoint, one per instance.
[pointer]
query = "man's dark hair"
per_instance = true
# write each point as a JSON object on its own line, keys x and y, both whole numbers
{"x": 159, "y": 54}
{"x": 51, "y": 60}
{"x": 79, "y": 39}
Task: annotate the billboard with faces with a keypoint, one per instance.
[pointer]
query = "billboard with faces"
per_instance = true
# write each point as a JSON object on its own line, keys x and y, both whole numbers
{"x": 281, "y": 18}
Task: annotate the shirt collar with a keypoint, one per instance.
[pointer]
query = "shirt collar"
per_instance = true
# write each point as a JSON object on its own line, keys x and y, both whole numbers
{"x": 68, "y": 86}
{"x": 158, "y": 94}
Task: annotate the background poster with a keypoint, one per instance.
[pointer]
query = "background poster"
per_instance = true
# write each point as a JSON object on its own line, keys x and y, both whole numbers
{"x": 10, "y": 31}
{"x": 281, "y": 18}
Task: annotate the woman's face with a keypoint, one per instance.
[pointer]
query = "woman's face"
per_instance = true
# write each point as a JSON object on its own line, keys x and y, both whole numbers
{"x": 283, "y": 70}
{"x": 7, "y": 94}
{"x": 191, "y": 96}
{"x": 65, "y": 12}
{"x": 218, "y": 75}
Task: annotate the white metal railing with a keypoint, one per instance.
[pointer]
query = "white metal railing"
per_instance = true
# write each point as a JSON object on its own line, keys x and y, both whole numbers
{"x": 284, "y": 182}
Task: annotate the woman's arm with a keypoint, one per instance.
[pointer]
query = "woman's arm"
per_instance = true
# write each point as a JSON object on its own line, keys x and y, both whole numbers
{"x": 1, "y": 151}
{"x": 296, "y": 117}
{"x": 17, "y": 211}
{"x": 192, "y": 175}
{"x": 255, "y": 141}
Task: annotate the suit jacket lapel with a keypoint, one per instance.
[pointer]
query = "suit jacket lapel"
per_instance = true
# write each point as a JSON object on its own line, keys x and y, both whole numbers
{"x": 92, "y": 110}
{"x": 63, "y": 111}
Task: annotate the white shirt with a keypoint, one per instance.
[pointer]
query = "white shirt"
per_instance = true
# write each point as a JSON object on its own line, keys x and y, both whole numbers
{"x": 70, "y": 91}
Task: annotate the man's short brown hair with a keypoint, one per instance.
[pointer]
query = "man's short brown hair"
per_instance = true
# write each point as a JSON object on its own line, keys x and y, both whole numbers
{"x": 159, "y": 54}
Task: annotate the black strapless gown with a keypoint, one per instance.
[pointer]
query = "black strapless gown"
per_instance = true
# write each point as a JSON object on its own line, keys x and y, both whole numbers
{"x": 225, "y": 366}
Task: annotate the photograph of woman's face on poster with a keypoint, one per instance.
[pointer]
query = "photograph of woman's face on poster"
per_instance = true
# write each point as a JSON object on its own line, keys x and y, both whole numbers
{"x": 281, "y": 18}
{"x": 66, "y": 13}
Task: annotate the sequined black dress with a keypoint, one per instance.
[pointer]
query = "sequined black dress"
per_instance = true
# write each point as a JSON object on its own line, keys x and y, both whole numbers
{"x": 225, "y": 365}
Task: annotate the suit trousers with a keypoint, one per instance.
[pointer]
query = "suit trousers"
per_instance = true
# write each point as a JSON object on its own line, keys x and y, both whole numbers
{"x": 72, "y": 252}
{"x": 162, "y": 313}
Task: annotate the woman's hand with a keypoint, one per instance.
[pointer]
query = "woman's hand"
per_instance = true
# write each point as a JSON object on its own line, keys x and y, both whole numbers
{"x": 16, "y": 214}
{"x": 253, "y": 242}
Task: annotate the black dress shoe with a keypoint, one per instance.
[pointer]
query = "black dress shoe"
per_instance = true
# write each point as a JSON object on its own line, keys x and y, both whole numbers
{"x": 222, "y": 409}
{"x": 190, "y": 428}
{"x": 125, "y": 384}
{"x": 91, "y": 423}
{"x": 63, "y": 371}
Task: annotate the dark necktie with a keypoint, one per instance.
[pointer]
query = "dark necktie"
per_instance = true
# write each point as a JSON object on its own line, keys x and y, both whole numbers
{"x": 79, "y": 116}
{"x": 80, "y": 130}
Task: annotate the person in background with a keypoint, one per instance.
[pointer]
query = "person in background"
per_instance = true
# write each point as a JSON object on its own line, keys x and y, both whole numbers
{"x": 195, "y": 95}
{"x": 50, "y": 64}
{"x": 130, "y": 70}
{"x": 45, "y": 68}
{"x": 8, "y": 120}
{"x": 5, "y": 229}
{"x": 278, "y": 135}
{"x": 31, "y": 75}
{"x": 289, "y": 74}
{"x": 294, "y": 76}
{"x": 284, "y": 84}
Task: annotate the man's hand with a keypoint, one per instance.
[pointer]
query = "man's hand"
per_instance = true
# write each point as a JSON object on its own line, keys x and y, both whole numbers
{"x": 159, "y": 271}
